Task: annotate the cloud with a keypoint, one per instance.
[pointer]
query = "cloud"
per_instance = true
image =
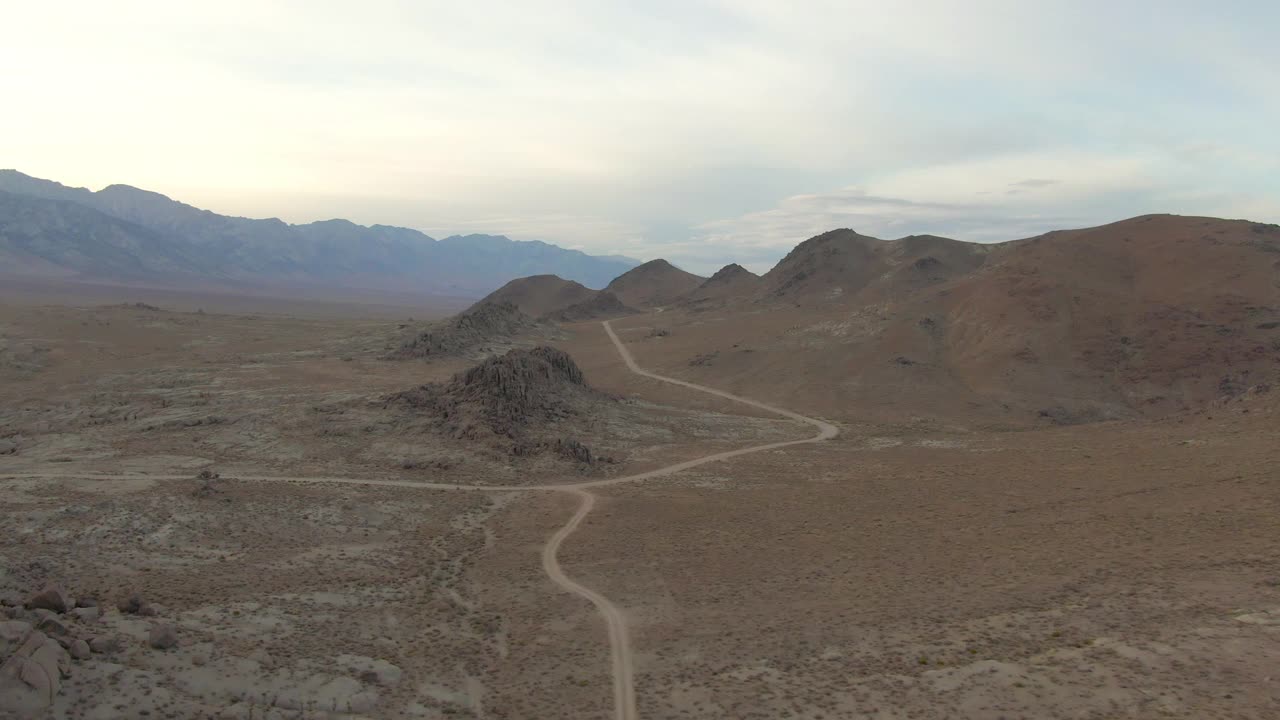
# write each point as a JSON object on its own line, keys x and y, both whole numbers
{"x": 762, "y": 238}
{"x": 1034, "y": 183}
{"x": 704, "y": 131}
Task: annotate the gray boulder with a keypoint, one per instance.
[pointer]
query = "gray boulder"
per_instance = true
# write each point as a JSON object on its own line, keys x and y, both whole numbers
{"x": 51, "y": 598}
{"x": 163, "y": 636}
{"x": 32, "y": 675}
{"x": 80, "y": 650}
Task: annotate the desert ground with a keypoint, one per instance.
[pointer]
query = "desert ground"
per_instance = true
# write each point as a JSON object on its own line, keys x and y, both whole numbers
{"x": 916, "y": 565}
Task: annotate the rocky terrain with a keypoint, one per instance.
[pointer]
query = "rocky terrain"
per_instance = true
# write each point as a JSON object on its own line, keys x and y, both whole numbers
{"x": 477, "y": 332}
{"x": 520, "y": 400}
{"x": 1052, "y": 495}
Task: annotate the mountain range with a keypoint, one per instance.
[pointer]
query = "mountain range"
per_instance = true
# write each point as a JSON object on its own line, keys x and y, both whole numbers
{"x": 1147, "y": 316}
{"x": 122, "y": 234}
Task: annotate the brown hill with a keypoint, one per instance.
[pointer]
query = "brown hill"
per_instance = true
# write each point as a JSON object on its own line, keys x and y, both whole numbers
{"x": 1159, "y": 311}
{"x": 730, "y": 281}
{"x": 599, "y": 306}
{"x": 1147, "y": 316}
{"x": 843, "y": 263}
{"x": 538, "y": 295}
{"x": 653, "y": 284}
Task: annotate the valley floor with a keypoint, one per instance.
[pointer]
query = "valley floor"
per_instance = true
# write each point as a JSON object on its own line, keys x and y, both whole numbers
{"x": 906, "y": 570}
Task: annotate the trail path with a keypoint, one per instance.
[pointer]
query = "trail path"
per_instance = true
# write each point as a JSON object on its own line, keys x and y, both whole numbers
{"x": 619, "y": 637}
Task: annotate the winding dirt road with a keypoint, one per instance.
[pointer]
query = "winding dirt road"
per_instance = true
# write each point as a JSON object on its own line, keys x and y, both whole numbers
{"x": 619, "y": 637}
{"x": 624, "y": 694}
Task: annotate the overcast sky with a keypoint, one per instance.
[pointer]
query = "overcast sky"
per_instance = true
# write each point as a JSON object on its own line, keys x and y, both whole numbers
{"x": 704, "y": 132}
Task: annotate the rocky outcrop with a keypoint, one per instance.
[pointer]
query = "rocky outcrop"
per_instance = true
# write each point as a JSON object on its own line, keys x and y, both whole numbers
{"x": 504, "y": 394}
{"x": 483, "y": 324}
{"x": 515, "y": 399}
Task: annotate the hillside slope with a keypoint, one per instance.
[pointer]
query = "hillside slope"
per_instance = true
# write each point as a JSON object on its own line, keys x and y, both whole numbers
{"x": 652, "y": 284}
{"x": 538, "y": 295}
{"x": 1144, "y": 317}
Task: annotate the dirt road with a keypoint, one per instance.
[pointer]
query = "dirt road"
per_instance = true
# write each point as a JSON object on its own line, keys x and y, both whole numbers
{"x": 615, "y": 619}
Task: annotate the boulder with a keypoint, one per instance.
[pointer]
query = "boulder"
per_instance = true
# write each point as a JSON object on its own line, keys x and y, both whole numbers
{"x": 12, "y": 634}
{"x": 163, "y": 636}
{"x": 104, "y": 644}
{"x": 32, "y": 676}
{"x": 80, "y": 650}
{"x": 87, "y": 614}
{"x": 51, "y": 624}
{"x": 51, "y": 598}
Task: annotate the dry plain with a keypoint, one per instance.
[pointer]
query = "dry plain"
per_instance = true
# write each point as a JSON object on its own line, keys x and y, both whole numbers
{"x": 909, "y": 568}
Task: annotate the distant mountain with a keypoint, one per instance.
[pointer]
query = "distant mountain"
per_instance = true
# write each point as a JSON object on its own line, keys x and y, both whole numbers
{"x": 124, "y": 234}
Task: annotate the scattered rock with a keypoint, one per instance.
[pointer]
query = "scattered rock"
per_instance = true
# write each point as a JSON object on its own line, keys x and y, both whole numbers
{"x": 131, "y": 605}
{"x": 705, "y": 358}
{"x": 52, "y": 625}
{"x": 87, "y": 614}
{"x": 8, "y": 447}
{"x": 10, "y": 598}
{"x": 163, "y": 636}
{"x": 12, "y": 635}
{"x": 80, "y": 650}
{"x": 104, "y": 644}
{"x": 32, "y": 676}
{"x": 51, "y": 598}
{"x": 207, "y": 484}
{"x": 86, "y": 603}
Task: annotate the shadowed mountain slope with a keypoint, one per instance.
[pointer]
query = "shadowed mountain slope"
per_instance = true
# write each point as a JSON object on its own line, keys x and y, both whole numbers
{"x": 160, "y": 241}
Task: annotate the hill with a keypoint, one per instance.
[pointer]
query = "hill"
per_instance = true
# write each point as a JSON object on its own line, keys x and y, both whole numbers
{"x": 601, "y": 305}
{"x": 1144, "y": 317}
{"x": 144, "y": 237}
{"x": 843, "y": 263}
{"x": 539, "y": 295}
{"x": 730, "y": 281}
{"x": 653, "y": 284}
{"x": 519, "y": 401}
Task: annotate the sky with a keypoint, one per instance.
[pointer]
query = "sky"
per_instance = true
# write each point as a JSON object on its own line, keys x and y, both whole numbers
{"x": 702, "y": 131}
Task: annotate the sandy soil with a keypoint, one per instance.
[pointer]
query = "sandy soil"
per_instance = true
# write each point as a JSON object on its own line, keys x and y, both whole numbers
{"x": 902, "y": 570}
